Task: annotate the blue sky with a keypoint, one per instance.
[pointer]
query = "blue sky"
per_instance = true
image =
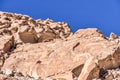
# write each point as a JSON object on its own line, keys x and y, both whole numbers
{"x": 102, "y": 14}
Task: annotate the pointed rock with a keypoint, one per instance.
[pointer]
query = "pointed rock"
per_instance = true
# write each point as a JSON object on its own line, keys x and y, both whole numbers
{"x": 113, "y": 36}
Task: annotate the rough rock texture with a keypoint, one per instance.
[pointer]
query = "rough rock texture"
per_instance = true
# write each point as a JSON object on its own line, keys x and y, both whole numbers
{"x": 14, "y": 24}
{"x": 48, "y": 50}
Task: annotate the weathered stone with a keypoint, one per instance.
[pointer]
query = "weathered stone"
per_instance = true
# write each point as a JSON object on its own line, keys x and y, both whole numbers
{"x": 9, "y": 45}
{"x": 15, "y": 23}
{"x": 59, "y": 57}
{"x": 84, "y": 55}
{"x": 28, "y": 37}
{"x": 113, "y": 36}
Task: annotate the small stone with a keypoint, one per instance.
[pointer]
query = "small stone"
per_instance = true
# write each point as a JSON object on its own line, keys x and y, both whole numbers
{"x": 113, "y": 36}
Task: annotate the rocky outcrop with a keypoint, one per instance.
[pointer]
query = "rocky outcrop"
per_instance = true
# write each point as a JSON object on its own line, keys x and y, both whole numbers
{"x": 12, "y": 24}
{"x": 48, "y": 50}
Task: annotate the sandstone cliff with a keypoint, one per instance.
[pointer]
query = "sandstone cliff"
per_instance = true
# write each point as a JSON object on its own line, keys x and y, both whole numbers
{"x": 47, "y": 50}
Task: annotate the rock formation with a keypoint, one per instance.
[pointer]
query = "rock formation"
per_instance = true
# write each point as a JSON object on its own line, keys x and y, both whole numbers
{"x": 48, "y": 50}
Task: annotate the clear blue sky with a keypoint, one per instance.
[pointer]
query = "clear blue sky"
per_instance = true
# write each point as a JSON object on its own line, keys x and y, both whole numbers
{"x": 102, "y": 14}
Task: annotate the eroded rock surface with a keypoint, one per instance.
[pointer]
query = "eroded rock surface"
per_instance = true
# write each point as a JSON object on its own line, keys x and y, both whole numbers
{"x": 52, "y": 52}
{"x": 12, "y": 24}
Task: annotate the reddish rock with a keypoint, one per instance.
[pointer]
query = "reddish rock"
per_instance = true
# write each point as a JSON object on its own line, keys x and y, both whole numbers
{"x": 81, "y": 55}
{"x": 9, "y": 45}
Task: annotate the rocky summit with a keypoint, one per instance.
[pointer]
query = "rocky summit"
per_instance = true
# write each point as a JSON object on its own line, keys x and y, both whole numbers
{"x": 48, "y": 50}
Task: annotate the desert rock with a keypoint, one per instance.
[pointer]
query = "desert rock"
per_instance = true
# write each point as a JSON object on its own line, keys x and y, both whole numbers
{"x": 113, "y": 36}
{"x": 56, "y": 54}
{"x": 14, "y": 23}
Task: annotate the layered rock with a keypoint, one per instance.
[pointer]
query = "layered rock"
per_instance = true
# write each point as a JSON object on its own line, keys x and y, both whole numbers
{"x": 85, "y": 55}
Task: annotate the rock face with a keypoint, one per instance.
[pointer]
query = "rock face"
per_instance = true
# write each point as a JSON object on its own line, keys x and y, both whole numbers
{"x": 48, "y": 50}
